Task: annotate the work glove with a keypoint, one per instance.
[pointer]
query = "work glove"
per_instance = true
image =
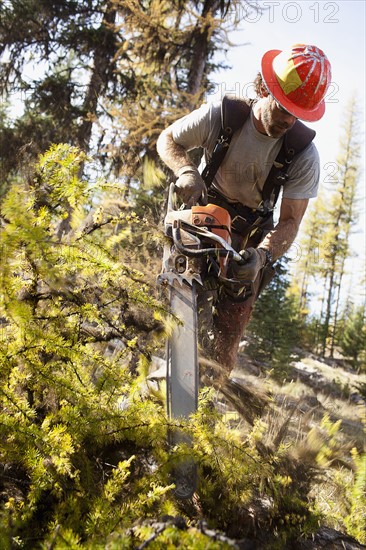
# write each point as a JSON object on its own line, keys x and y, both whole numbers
{"x": 190, "y": 186}
{"x": 254, "y": 260}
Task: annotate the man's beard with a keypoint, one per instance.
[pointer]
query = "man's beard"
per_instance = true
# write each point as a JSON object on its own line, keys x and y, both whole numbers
{"x": 273, "y": 128}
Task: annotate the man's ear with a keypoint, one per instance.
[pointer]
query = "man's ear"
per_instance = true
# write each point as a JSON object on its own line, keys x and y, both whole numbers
{"x": 264, "y": 91}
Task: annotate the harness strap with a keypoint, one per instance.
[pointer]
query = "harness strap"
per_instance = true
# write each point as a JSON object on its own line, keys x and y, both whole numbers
{"x": 294, "y": 142}
{"x": 234, "y": 113}
{"x": 218, "y": 154}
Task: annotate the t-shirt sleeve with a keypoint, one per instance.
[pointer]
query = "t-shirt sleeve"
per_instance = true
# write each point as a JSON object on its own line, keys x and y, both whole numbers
{"x": 199, "y": 128}
{"x": 304, "y": 175}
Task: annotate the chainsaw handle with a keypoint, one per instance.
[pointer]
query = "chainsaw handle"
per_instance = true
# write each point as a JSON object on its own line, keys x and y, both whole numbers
{"x": 226, "y": 249}
{"x": 176, "y": 234}
{"x": 243, "y": 258}
{"x": 172, "y": 204}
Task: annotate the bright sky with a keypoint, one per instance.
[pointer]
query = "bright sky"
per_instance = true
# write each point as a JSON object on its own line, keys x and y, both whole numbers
{"x": 338, "y": 28}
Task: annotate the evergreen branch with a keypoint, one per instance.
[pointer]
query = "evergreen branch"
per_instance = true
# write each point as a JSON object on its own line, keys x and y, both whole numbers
{"x": 29, "y": 418}
{"x": 126, "y": 428}
{"x": 158, "y": 531}
{"x": 93, "y": 226}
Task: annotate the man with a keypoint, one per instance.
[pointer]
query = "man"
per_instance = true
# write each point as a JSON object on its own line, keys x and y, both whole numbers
{"x": 292, "y": 85}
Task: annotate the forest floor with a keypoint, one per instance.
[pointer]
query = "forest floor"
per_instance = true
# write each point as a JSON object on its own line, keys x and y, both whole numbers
{"x": 318, "y": 403}
{"x": 313, "y": 387}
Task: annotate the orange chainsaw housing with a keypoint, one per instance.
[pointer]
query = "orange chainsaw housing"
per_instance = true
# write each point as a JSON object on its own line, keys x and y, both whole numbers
{"x": 215, "y": 218}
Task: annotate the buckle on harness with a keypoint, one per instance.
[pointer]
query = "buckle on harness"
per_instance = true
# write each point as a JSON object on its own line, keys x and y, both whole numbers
{"x": 282, "y": 176}
{"x": 222, "y": 143}
{"x": 265, "y": 209}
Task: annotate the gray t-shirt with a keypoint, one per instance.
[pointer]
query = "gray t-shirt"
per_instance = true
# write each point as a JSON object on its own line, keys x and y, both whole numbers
{"x": 242, "y": 174}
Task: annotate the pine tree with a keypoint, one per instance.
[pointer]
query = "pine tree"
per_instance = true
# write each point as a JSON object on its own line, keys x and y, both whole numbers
{"x": 342, "y": 215}
{"x": 353, "y": 338}
{"x": 176, "y": 52}
{"x": 60, "y": 62}
{"x": 325, "y": 245}
{"x": 104, "y": 75}
{"x": 274, "y": 328}
{"x": 307, "y": 264}
{"x": 75, "y": 317}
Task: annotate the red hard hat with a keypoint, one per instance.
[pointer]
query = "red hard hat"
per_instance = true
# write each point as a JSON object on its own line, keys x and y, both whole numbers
{"x": 298, "y": 79}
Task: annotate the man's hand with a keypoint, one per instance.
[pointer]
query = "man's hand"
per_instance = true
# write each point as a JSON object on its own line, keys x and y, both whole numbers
{"x": 190, "y": 186}
{"x": 254, "y": 260}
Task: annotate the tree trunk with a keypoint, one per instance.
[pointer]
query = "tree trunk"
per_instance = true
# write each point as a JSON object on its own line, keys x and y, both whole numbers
{"x": 336, "y": 313}
{"x": 200, "y": 48}
{"x": 98, "y": 81}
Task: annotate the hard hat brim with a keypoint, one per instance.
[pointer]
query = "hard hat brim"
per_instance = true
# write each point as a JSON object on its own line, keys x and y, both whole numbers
{"x": 272, "y": 83}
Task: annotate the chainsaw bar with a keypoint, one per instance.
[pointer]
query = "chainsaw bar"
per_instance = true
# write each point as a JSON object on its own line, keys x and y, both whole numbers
{"x": 195, "y": 236}
{"x": 182, "y": 376}
{"x": 182, "y": 356}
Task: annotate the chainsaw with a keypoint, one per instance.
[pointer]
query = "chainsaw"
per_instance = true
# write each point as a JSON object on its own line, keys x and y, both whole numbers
{"x": 198, "y": 247}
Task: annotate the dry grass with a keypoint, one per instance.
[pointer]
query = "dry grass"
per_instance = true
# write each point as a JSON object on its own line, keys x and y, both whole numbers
{"x": 298, "y": 407}
{"x": 308, "y": 433}
{"x": 333, "y": 373}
